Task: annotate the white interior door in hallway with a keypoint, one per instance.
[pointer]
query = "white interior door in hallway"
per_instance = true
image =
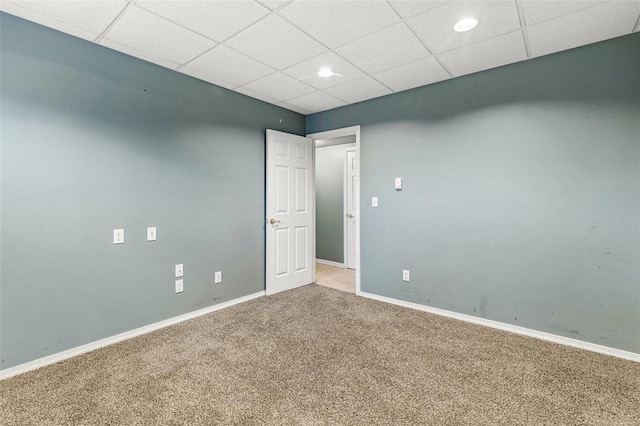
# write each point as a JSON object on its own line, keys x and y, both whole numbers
{"x": 351, "y": 185}
{"x": 290, "y": 227}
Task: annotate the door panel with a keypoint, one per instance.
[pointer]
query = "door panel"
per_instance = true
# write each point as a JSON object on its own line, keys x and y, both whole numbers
{"x": 301, "y": 190}
{"x": 290, "y": 211}
{"x": 282, "y": 252}
{"x": 302, "y": 234}
{"x": 301, "y": 152}
{"x": 282, "y": 189}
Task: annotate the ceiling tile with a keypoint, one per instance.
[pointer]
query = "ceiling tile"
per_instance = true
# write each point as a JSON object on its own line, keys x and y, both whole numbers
{"x": 435, "y": 27}
{"x": 225, "y": 63}
{"x": 269, "y": 58}
{"x": 293, "y": 108}
{"x": 276, "y": 42}
{"x": 419, "y": 73}
{"x": 358, "y": 90}
{"x": 208, "y": 78}
{"x": 218, "y": 19}
{"x": 256, "y": 95}
{"x": 495, "y": 52}
{"x": 91, "y": 16}
{"x": 335, "y": 22}
{"x": 410, "y": 8}
{"x": 279, "y": 86}
{"x": 139, "y": 54}
{"x": 599, "y": 23}
{"x": 149, "y": 33}
{"x": 315, "y": 102}
{"x": 537, "y": 11}
{"x": 388, "y": 48}
{"x": 32, "y": 16}
{"x": 308, "y": 71}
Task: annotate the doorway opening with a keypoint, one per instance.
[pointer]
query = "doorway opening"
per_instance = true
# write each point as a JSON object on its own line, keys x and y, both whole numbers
{"x": 337, "y": 184}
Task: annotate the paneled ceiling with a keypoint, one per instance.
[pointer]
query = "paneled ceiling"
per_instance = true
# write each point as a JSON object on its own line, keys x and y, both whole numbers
{"x": 272, "y": 49}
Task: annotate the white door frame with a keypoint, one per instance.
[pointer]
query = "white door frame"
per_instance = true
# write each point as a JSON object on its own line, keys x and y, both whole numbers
{"x": 345, "y": 203}
{"x": 330, "y": 134}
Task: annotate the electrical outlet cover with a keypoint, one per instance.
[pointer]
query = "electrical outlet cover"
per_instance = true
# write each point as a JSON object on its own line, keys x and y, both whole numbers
{"x": 179, "y": 270}
{"x": 399, "y": 184}
{"x": 218, "y": 277}
{"x": 118, "y": 236}
{"x": 151, "y": 234}
{"x": 179, "y": 286}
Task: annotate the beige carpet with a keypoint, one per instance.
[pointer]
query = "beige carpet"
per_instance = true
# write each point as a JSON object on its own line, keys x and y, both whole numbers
{"x": 316, "y": 356}
{"x": 333, "y": 277}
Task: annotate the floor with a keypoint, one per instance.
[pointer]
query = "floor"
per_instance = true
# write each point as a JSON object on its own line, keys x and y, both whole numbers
{"x": 335, "y": 277}
{"x": 318, "y": 356}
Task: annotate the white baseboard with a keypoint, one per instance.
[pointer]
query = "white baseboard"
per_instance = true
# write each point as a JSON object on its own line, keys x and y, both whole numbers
{"x": 631, "y": 356}
{"x": 331, "y": 263}
{"x": 79, "y": 350}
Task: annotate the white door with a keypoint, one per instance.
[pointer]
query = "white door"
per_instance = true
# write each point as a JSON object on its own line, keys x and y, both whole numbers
{"x": 290, "y": 211}
{"x": 351, "y": 197}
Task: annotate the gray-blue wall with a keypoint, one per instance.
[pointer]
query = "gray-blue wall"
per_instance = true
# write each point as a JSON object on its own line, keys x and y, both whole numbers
{"x": 330, "y": 202}
{"x": 521, "y": 193}
{"x": 93, "y": 140}
{"x": 521, "y": 200}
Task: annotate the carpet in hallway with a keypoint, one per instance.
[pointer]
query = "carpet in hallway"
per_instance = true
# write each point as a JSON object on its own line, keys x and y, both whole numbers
{"x": 334, "y": 277}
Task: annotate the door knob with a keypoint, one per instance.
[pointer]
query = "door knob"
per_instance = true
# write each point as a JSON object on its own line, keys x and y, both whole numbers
{"x": 350, "y": 216}
{"x": 273, "y": 221}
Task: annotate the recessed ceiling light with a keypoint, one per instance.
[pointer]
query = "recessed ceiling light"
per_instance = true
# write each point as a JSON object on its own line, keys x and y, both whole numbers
{"x": 325, "y": 72}
{"x": 465, "y": 25}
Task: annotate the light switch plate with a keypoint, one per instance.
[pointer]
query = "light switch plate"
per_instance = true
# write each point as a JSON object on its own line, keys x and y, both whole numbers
{"x": 374, "y": 201}
{"x": 151, "y": 234}
{"x": 179, "y": 286}
{"x": 118, "y": 236}
{"x": 179, "y": 270}
{"x": 398, "y": 184}
{"x": 218, "y": 277}
{"x": 405, "y": 275}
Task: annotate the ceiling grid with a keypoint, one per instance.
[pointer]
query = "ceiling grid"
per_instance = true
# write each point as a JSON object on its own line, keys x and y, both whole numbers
{"x": 114, "y": 22}
{"x": 636, "y": 27}
{"x": 523, "y": 25}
